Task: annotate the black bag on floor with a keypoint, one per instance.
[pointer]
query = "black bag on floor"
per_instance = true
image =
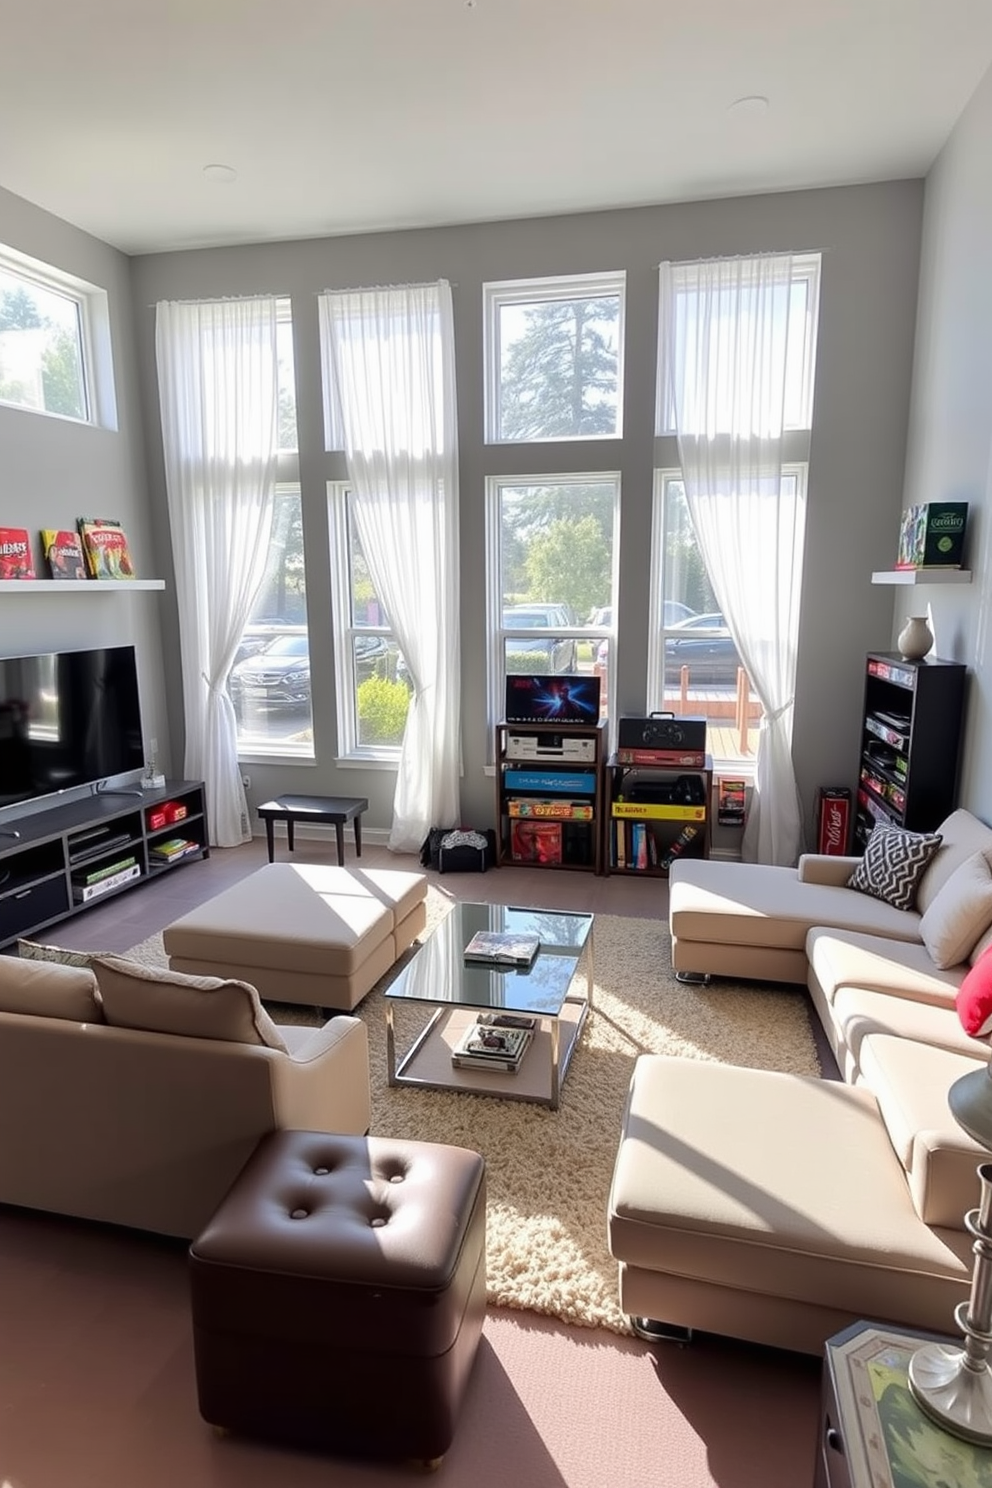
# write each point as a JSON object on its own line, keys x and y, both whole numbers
{"x": 458, "y": 850}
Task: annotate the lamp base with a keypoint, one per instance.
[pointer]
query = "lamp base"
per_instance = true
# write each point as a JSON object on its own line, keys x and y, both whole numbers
{"x": 952, "y": 1392}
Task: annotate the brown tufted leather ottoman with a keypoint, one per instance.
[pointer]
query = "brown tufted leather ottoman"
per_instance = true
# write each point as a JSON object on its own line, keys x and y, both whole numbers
{"x": 339, "y": 1292}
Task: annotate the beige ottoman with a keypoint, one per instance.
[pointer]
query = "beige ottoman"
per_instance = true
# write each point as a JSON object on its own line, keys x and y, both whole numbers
{"x": 303, "y": 932}
{"x": 770, "y": 1207}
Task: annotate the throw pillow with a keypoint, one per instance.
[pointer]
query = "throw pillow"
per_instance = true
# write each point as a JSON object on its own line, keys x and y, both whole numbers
{"x": 48, "y": 991}
{"x": 32, "y": 950}
{"x": 974, "y": 998}
{"x": 960, "y": 914}
{"x": 162, "y": 1001}
{"x": 893, "y": 863}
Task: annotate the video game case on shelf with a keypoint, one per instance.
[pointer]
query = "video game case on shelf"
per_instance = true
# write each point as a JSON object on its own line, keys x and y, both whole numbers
{"x": 94, "y": 875}
{"x": 63, "y": 554}
{"x": 83, "y": 892}
{"x": 16, "y": 561}
{"x": 105, "y": 548}
{"x": 556, "y": 810}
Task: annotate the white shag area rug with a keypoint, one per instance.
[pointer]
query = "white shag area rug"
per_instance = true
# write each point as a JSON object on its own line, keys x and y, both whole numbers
{"x": 549, "y": 1172}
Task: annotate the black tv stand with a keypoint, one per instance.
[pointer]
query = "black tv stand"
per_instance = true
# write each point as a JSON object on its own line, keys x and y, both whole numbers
{"x": 70, "y": 857}
{"x": 118, "y": 791}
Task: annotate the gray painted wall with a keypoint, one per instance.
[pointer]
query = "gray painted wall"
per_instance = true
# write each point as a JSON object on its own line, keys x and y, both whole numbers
{"x": 948, "y": 455}
{"x": 869, "y": 237}
{"x": 53, "y": 470}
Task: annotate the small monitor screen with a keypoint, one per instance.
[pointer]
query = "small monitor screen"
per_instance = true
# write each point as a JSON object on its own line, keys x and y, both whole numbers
{"x": 562, "y": 699}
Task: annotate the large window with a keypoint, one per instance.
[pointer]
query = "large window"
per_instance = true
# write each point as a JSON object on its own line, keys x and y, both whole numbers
{"x": 54, "y": 342}
{"x": 270, "y": 679}
{"x": 552, "y": 575}
{"x": 693, "y": 665}
{"x": 373, "y": 684}
{"x": 739, "y": 358}
{"x": 554, "y": 358}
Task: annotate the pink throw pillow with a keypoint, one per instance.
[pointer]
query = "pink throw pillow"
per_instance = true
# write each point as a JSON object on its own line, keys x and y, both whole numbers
{"x": 974, "y": 999}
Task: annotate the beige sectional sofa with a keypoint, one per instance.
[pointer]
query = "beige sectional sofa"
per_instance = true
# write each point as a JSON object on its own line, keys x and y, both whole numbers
{"x": 135, "y": 1096}
{"x": 779, "y": 1208}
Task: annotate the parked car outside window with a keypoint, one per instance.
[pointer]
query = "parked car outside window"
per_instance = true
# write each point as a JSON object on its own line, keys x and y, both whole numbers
{"x": 704, "y": 645}
{"x": 278, "y": 675}
{"x": 556, "y": 654}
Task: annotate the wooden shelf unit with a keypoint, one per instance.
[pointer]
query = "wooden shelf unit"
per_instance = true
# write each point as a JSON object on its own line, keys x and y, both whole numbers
{"x": 649, "y": 852}
{"x": 533, "y": 795}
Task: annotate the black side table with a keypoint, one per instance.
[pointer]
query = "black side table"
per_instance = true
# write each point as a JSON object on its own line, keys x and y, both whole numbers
{"x": 872, "y": 1432}
{"x": 332, "y": 810}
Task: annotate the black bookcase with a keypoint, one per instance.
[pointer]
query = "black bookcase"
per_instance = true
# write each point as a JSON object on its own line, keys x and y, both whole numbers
{"x": 910, "y": 743}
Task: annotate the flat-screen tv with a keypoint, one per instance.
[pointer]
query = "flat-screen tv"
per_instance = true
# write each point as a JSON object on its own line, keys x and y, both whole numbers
{"x": 67, "y": 718}
{"x": 558, "y": 699}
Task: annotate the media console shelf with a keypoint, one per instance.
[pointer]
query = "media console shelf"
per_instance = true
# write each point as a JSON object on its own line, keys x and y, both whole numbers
{"x": 57, "y": 863}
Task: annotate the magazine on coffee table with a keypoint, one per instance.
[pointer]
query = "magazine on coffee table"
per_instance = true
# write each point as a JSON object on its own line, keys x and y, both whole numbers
{"x": 502, "y": 947}
{"x": 488, "y": 1046}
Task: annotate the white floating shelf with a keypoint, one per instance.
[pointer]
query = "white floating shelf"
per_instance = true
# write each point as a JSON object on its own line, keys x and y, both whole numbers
{"x": 73, "y": 586}
{"x": 923, "y": 576}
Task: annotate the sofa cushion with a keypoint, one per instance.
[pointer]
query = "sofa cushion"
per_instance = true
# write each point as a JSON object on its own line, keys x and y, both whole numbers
{"x": 961, "y": 835}
{"x": 910, "y": 1081}
{"x": 161, "y": 1001}
{"x": 960, "y": 913}
{"x": 893, "y": 864}
{"x": 48, "y": 990}
{"x": 974, "y": 998}
{"x": 761, "y": 905}
{"x": 901, "y": 968}
{"x": 857, "y": 1012}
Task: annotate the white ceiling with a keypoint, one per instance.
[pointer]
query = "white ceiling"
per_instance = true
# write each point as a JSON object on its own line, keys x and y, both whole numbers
{"x": 343, "y": 116}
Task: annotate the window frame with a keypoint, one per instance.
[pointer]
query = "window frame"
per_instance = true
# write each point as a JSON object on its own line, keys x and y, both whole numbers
{"x": 260, "y": 753}
{"x": 502, "y": 292}
{"x": 94, "y": 342}
{"x": 806, "y": 268}
{"x": 343, "y": 632}
{"x": 497, "y": 633}
{"x": 658, "y": 632}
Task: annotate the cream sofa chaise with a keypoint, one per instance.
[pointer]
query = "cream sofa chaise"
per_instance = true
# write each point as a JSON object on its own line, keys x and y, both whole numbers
{"x": 135, "y": 1096}
{"x": 779, "y": 1208}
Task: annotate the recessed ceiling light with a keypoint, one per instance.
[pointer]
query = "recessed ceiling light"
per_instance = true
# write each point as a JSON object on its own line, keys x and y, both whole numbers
{"x": 751, "y": 106}
{"x": 220, "y": 173}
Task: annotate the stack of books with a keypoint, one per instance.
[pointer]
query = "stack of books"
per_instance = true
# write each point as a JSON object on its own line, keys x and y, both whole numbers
{"x": 496, "y": 1041}
{"x": 174, "y": 849}
{"x": 89, "y": 883}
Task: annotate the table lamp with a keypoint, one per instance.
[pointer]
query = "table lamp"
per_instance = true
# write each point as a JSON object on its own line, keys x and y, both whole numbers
{"x": 952, "y": 1385}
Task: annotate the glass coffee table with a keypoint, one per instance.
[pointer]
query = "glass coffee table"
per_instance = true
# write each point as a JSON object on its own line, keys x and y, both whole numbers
{"x": 556, "y": 989}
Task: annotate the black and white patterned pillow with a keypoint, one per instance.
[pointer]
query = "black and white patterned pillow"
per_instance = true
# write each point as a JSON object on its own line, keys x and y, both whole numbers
{"x": 893, "y": 864}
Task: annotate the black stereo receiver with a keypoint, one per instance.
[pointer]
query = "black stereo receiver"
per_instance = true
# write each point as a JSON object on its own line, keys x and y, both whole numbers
{"x": 662, "y": 731}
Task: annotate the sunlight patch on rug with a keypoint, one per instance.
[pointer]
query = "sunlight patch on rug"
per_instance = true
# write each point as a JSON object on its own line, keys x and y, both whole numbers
{"x": 549, "y": 1172}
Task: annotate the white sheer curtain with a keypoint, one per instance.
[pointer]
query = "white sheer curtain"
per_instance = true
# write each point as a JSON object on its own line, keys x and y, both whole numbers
{"x": 725, "y": 331}
{"x": 217, "y": 368}
{"x": 389, "y": 379}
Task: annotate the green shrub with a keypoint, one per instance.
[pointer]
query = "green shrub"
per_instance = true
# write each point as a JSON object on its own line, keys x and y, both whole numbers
{"x": 382, "y": 710}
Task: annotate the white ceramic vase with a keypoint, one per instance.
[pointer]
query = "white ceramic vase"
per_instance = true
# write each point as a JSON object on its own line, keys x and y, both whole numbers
{"x": 915, "y": 638}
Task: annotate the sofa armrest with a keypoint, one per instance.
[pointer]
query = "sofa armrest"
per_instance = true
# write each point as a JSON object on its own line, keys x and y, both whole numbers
{"x": 825, "y": 868}
{"x": 324, "y": 1085}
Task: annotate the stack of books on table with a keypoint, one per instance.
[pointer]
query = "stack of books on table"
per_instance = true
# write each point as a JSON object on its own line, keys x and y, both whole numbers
{"x": 89, "y": 883}
{"x": 173, "y": 849}
{"x": 496, "y": 1041}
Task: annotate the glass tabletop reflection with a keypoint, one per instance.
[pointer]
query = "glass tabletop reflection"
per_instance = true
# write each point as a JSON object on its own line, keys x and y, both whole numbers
{"x": 439, "y": 973}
